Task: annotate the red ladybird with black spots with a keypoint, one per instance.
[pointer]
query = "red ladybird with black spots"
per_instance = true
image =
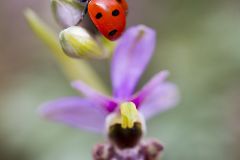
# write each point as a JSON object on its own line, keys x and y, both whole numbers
{"x": 109, "y": 16}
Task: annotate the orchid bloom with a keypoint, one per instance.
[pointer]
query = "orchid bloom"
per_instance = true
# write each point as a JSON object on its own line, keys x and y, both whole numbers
{"x": 124, "y": 110}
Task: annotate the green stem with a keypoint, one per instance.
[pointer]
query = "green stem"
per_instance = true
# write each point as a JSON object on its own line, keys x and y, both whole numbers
{"x": 75, "y": 69}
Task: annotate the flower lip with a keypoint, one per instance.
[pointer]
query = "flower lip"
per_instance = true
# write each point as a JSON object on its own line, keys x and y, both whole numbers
{"x": 125, "y": 137}
{"x": 125, "y": 127}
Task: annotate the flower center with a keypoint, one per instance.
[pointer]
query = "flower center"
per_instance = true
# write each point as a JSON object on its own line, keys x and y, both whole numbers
{"x": 129, "y": 114}
{"x": 126, "y": 127}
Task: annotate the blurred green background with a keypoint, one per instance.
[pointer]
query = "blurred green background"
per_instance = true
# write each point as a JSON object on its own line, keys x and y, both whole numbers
{"x": 198, "y": 41}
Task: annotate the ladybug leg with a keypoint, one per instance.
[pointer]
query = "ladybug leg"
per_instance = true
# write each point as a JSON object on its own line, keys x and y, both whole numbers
{"x": 84, "y": 12}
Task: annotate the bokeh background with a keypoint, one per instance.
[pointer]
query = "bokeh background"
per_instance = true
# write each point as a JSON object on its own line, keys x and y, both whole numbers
{"x": 198, "y": 41}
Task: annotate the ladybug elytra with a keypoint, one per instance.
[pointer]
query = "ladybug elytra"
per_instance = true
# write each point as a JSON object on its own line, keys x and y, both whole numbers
{"x": 109, "y": 16}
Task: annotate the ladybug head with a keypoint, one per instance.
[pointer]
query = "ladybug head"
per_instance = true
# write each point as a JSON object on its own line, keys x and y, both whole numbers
{"x": 83, "y": 2}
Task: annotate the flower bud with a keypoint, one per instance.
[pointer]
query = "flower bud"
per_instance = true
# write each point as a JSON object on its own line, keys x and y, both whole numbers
{"x": 66, "y": 12}
{"x": 77, "y": 42}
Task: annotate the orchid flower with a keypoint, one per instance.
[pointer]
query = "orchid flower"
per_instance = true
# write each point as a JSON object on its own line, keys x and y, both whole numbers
{"x": 125, "y": 112}
{"x": 122, "y": 116}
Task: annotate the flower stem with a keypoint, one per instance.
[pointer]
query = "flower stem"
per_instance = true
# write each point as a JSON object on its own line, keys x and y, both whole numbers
{"x": 75, "y": 69}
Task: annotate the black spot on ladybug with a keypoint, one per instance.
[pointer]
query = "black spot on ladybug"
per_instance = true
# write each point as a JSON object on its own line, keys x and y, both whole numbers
{"x": 119, "y": 1}
{"x": 115, "y": 12}
{"x": 112, "y": 33}
{"x": 98, "y": 15}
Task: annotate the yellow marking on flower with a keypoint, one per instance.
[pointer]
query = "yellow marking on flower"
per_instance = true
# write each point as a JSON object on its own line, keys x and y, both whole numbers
{"x": 129, "y": 114}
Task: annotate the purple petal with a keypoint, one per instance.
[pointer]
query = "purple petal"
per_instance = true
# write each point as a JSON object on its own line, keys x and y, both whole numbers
{"x": 107, "y": 103}
{"x": 161, "y": 99}
{"x": 76, "y": 112}
{"x": 148, "y": 88}
{"x": 66, "y": 13}
{"x": 156, "y": 96}
{"x": 132, "y": 54}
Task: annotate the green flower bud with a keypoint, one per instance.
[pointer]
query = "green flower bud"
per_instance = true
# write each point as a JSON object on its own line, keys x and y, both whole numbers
{"x": 66, "y": 12}
{"x": 77, "y": 42}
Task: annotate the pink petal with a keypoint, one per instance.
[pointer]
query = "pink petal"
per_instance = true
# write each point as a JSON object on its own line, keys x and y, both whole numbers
{"x": 106, "y": 102}
{"x": 132, "y": 54}
{"x": 76, "y": 112}
{"x": 156, "y": 96}
{"x": 148, "y": 88}
{"x": 161, "y": 99}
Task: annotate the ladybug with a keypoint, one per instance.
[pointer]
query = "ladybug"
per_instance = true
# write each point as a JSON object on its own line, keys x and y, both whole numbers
{"x": 109, "y": 16}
